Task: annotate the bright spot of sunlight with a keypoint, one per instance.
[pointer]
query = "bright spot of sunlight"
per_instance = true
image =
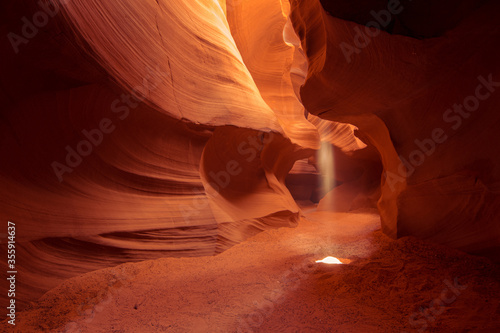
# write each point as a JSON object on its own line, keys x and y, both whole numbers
{"x": 330, "y": 260}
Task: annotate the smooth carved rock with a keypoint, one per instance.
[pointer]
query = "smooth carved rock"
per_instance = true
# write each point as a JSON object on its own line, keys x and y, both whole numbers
{"x": 426, "y": 105}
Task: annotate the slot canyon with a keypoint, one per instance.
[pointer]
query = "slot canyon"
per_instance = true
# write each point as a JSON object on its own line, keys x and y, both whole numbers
{"x": 250, "y": 166}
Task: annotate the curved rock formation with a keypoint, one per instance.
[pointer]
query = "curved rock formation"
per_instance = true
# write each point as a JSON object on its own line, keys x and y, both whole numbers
{"x": 142, "y": 129}
{"x": 427, "y": 106}
{"x": 147, "y": 129}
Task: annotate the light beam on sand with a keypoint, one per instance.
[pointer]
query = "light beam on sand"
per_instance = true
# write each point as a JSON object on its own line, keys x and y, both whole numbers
{"x": 330, "y": 260}
{"x": 325, "y": 164}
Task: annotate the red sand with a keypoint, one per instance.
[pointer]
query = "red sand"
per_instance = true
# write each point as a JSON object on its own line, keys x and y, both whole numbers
{"x": 270, "y": 283}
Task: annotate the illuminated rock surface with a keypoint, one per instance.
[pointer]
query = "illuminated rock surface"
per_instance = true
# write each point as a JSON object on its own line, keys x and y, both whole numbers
{"x": 141, "y": 130}
{"x": 441, "y": 167}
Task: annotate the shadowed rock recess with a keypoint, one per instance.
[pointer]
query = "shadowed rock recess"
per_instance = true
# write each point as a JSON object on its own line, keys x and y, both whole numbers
{"x": 137, "y": 130}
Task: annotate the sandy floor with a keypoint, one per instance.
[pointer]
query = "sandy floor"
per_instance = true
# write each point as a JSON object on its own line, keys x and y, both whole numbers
{"x": 271, "y": 283}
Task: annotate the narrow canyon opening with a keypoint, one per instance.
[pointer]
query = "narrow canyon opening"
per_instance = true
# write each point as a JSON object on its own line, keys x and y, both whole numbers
{"x": 250, "y": 166}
